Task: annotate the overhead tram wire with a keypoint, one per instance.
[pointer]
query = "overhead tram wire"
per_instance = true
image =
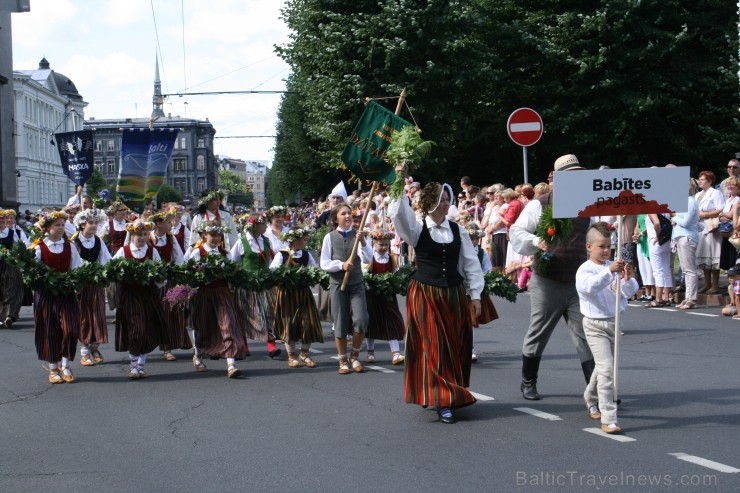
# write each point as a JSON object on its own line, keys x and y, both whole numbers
{"x": 246, "y": 137}
{"x": 212, "y": 93}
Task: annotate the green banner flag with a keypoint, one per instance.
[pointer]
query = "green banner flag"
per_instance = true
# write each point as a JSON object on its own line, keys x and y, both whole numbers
{"x": 363, "y": 154}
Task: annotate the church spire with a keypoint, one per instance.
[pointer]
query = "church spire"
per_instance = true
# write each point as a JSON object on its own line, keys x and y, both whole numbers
{"x": 157, "y": 100}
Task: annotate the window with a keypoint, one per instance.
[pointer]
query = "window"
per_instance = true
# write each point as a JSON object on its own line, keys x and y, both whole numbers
{"x": 111, "y": 145}
{"x": 99, "y": 166}
{"x": 111, "y": 166}
{"x": 181, "y": 185}
{"x": 183, "y": 144}
{"x": 201, "y": 184}
{"x": 201, "y": 142}
{"x": 201, "y": 162}
{"x": 98, "y": 146}
{"x": 179, "y": 164}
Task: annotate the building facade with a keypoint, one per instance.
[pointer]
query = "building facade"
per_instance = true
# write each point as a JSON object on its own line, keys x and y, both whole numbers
{"x": 257, "y": 182}
{"x": 45, "y": 102}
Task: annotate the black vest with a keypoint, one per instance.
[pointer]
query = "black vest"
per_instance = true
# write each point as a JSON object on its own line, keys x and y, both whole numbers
{"x": 8, "y": 241}
{"x": 88, "y": 254}
{"x": 436, "y": 263}
{"x": 301, "y": 261}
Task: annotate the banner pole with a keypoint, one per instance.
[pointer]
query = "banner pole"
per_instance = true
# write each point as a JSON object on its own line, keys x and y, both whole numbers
{"x": 617, "y": 332}
{"x": 373, "y": 189}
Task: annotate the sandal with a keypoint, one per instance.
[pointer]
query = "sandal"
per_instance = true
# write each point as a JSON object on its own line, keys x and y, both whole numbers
{"x": 294, "y": 362}
{"x": 55, "y": 376}
{"x": 686, "y": 306}
{"x": 306, "y": 360}
{"x": 97, "y": 357}
{"x": 168, "y": 356}
{"x": 233, "y": 372}
{"x": 734, "y": 317}
{"x": 87, "y": 360}
{"x": 653, "y": 304}
{"x": 370, "y": 356}
{"x": 357, "y": 366}
{"x": 67, "y": 375}
{"x": 397, "y": 359}
{"x": 344, "y": 366}
{"x": 198, "y": 364}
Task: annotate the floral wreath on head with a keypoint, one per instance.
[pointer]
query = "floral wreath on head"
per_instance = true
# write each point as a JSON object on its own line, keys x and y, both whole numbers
{"x": 474, "y": 231}
{"x": 212, "y": 227}
{"x": 249, "y": 221}
{"x": 357, "y": 212}
{"x": 380, "y": 234}
{"x": 114, "y": 207}
{"x": 212, "y": 195}
{"x": 4, "y": 212}
{"x": 174, "y": 210}
{"x": 157, "y": 217}
{"x": 86, "y": 215}
{"x": 275, "y": 209}
{"x": 294, "y": 234}
{"x": 46, "y": 218}
{"x": 139, "y": 226}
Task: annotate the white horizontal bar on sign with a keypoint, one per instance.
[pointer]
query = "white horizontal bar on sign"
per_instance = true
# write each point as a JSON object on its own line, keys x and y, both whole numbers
{"x": 704, "y": 462}
{"x": 525, "y": 127}
{"x": 618, "y": 438}
{"x": 539, "y": 414}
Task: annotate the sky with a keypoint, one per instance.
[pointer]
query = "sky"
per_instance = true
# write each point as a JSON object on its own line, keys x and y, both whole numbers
{"x": 108, "y": 48}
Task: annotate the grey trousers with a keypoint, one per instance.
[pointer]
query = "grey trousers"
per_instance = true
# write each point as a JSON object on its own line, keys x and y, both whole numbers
{"x": 551, "y": 300}
{"x": 348, "y": 306}
{"x": 600, "y": 390}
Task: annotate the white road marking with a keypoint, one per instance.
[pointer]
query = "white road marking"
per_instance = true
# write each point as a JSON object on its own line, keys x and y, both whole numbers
{"x": 703, "y": 314}
{"x": 380, "y": 369}
{"x": 618, "y": 438}
{"x": 482, "y": 397}
{"x": 315, "y": 351}
{"x": 539, "y": 414}
{"x": 705, "y": 462}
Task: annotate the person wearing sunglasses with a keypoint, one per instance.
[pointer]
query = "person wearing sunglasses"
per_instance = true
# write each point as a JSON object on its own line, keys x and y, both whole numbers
{"x": 733, "y": 170}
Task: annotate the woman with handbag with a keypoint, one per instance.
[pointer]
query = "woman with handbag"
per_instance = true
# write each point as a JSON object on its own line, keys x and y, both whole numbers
{"x": 711, "y": 202}
{"x": 728, "y": 254}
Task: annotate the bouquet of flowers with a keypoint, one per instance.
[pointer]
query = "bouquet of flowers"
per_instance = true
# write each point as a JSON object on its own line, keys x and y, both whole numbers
{"x": 179, "y": 296}
{"x": 498, "y": 284}
{"x": 131, "y": 271}
{"x": 553, "y": 232}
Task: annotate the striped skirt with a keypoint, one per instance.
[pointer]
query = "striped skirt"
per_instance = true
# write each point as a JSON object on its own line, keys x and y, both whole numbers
{"x": 296, "y": 316}
{"x": 324, "y": 301}
{"x": 13, "y": 289}
{"x": 176, "y": 335}
{"x": 488, "y": 312}
{"x": 56, "y": 320}
{"x": 439, "y": 344}
{"x": 140, "y": 324}
{"x": 216, "y": 323}
{"x": 386, "y": 321}
{"x": 258, "y": 312}
{"x": 93, "y": 325}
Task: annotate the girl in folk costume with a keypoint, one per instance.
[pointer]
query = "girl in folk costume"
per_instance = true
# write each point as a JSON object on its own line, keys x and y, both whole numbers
{"x": 162, "y": 240}
{"x": 114, "y": 234}
{"x": 56, "y": 317}
{"x": 348, "y": 307}
{"x": 11, "y": 283}
{"x": 276, "y": 217}
{"x": 140, "y": 322}
{"x": 93, "y": 325}
{"x": 214, "y": 315}
{"x": 296, "y": 315}
{"x": 209, "y": 210}
{"x": 179, "y": 230}
{"x": 442, "y": 303}
{"x": 487, "y": 310}
{"x": 254, "y": 252}
{"x": 386, "y": 321}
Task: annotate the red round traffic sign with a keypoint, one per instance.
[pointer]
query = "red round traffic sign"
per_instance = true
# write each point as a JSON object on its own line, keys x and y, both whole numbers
{"x": 524, "y": 127}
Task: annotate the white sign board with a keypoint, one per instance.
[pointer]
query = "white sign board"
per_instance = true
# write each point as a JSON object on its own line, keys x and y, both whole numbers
{"x": 620, "y": 192}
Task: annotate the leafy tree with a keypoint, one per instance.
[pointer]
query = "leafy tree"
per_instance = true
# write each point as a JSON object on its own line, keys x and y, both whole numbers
{"x": 95, "y": 183}
{"x": 244, "y": 198}
{"x": 230, "y": 182}
{"x": 168, "y": 193}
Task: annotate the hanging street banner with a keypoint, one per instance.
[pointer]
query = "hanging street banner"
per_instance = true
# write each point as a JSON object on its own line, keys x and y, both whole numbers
{"x": 620, "y": 192}
{"x": 145, "y": 155}
{"x": 76, "y": 153}
{"x": 363, "y": 154}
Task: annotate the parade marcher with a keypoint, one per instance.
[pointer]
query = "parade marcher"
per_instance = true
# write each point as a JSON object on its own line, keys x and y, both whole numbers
{"x": 552, "y": 294}
{"x": 276, "y": 218}
{"x": 11, "y": 282}
{"x": 442, "y": 303}
{"x": 179, "y": 230}
{"x": 140, "y": 322}
{"x": 114, "y": 234}
{"x": 210, "y": 209}
{"x": 385, "y": 320}
{"x": 56, "y": 316}
{"x": 214, "y": 316}
{"x": 348, "y": 306}
{"x": 487, "y": 309}
{"x": 596, "y": 286}
{"x": 254, "y": 252}
{"x": 296, "y": 315}
{"x": 170, "y": 252}
{"x": 93, "y": 325}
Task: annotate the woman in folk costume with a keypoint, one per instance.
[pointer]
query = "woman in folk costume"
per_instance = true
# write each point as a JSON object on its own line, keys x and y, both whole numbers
{"x": 296, "y": 315}
{"x": 114, "y": 234}
{"x": 12, "y": 281}
{"x": 93, "y": 325}
{"x": 385, "y": 322}
{"x": 487, "y": 310}
{"x": 56, "y": 316}
{"x": 254, "y": 252}
{"x": 140, "y": 322}
{"x": 276, "y": 219}
{"x": 209, "y": 210}
{"x": 214, "y": 314}
{"x": 166, "y": 245}
{"x": 442, "y": 303}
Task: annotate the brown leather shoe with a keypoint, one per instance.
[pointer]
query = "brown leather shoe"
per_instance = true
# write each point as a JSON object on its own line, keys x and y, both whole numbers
{"x": 87, "y": 360}
{"x": 55, "y": 376}
{"x": 612, "y": 428}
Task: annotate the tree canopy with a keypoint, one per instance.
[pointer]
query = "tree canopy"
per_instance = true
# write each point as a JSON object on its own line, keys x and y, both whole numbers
{"x": 621, "y": 83}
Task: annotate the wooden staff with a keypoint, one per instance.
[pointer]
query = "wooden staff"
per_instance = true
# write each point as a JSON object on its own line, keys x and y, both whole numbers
{"x": 373, "y": 190}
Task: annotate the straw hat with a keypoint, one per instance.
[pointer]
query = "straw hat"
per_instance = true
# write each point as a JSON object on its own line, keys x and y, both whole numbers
{"x": 567, "y": 162}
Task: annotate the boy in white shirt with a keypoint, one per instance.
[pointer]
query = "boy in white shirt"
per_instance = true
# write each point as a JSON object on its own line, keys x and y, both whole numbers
{"x": 596, "y": 282}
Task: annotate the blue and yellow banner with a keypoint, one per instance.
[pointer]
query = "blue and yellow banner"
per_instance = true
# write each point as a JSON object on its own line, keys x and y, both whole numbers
{"x": 145, "y": 155}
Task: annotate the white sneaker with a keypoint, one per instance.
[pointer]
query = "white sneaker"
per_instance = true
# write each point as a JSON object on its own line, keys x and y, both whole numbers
{"x": 474, "y": 357}
{"x": 133, "y": 372}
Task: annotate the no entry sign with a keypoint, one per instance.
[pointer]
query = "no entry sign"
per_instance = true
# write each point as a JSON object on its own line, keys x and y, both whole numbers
{"x": 524, "y": 127}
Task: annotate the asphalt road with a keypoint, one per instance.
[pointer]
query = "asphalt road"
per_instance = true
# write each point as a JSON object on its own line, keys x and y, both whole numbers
{"x": 313, "y": 430}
